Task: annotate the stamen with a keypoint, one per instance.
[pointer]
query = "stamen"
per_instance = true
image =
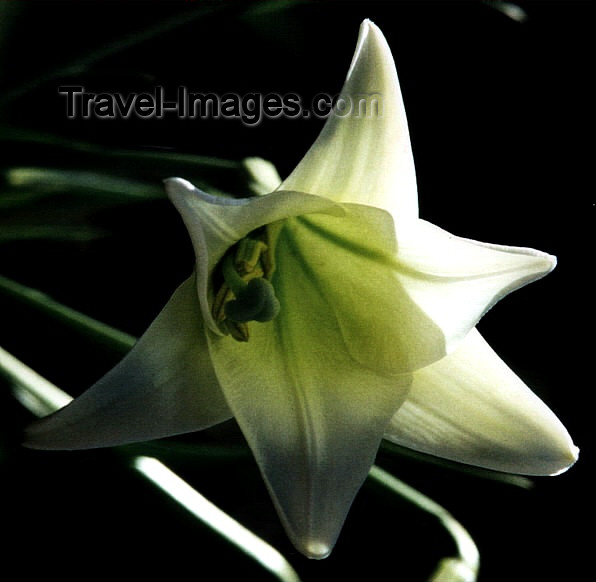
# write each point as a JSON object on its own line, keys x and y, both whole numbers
{"x": 255, "y": 298}
{"x": 246, "y": 293}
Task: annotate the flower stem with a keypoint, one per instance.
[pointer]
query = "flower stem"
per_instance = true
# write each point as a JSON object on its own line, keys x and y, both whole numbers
{"x": 464, "y": 567}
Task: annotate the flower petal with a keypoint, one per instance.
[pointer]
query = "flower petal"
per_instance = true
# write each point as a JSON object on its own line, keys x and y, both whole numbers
{"x": 164, "y": 386}
{"x": 311, "y": 407}
{"x": 364, "y": 158}
{"x": 455, "y": 281}
{"x": 313, "y": 434}
{"x": 350, "y": 262}
{"x": 472, "y": 408}
{"x": 216, "y": 223}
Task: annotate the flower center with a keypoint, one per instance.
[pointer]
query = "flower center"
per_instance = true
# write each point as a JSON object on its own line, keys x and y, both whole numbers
{"x": 246, "y": 293}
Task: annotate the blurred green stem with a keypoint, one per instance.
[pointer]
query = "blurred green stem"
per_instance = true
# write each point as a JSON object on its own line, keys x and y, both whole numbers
{"x": 464, "y": 567}
{"x": 100, "y": 332}
{"x": 33, "y": 391}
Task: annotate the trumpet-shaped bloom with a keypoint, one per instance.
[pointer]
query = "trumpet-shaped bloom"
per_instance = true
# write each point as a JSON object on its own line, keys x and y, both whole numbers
{"x": 325, "y": 316}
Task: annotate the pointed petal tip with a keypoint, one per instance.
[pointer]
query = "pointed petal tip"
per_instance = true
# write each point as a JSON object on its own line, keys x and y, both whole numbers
{"x": 50, "y": 434}
{"x": 549, "y": 262}
{"x": 369, "y": 27}
{"x": 370, "y": 36}
{"x": 179, "y": 191}
{"x": 312, "y": 546}
{"x": 470, "y": 407}
{"x": 546, "y": 451}
{"x": 316, "y": 550}
{"x": 537, "y": 265}
{"x": 366, "y": 27}
{"x": 177, "y": 185}
{"x": 569, "y": 457}
{"x": 173, "y": 180}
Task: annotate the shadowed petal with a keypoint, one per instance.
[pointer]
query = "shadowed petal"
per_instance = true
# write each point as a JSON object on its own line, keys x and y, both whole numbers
{"x": 365, "y": 159}
{"x": 216, "y": 223}
{"x": 164, "y": 386}
{"x": 471, "y": 407}
{"x": 455, "y": 281}
{"x": 314, "y": 434}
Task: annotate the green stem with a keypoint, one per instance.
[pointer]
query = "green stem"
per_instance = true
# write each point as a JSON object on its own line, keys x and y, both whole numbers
{"x": 464, "y": 567}
{"x": 100, "y": 331}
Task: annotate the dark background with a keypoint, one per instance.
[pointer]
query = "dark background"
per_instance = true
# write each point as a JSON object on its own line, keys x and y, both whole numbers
{"x": 500, "y": 114}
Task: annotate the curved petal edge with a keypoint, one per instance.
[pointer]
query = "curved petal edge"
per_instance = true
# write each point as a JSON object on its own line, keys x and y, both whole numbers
{"x": 472, "y": 408}
{"x": 164, "y": 386}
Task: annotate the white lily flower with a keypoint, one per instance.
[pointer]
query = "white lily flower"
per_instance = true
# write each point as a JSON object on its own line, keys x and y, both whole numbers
{"x": 324, "y": 316}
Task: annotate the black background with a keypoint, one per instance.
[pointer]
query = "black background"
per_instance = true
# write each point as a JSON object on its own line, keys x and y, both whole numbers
{"x": 501, "y": 120}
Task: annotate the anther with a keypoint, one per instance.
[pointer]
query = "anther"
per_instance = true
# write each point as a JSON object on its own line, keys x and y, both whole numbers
{"x": 255, "y": 298}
